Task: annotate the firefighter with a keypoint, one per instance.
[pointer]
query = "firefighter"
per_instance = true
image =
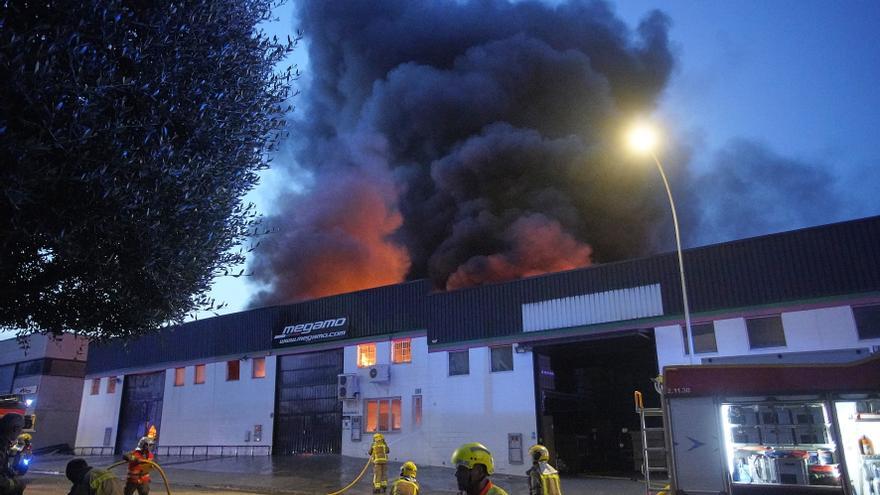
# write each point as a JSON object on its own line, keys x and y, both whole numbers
{"x": 91, "y": 481}
{"x": 379, "y": 453}
{"x": 473, "y": 465}
{"x": 406, "y": 484}
{"x": 21, "y": 453}
{"x": 11, "y": 425}
{"x": 543, "y": 479}
{"x": 138, "y": 479}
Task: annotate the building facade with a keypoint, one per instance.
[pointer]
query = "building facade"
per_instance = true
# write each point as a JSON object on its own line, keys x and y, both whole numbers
{"x": 553, "y": 358}
{"x": 48, "y": 375}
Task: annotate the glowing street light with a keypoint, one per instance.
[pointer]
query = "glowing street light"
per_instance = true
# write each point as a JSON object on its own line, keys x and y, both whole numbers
{"x": 643, "y": 139}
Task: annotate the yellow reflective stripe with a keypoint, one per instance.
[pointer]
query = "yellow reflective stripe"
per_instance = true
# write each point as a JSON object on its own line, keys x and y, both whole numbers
{"x": 405, "y": 487}
{"x": 550, "y": 484}
{"x": 102, "y": 477}
{"x": 380, "y": 453}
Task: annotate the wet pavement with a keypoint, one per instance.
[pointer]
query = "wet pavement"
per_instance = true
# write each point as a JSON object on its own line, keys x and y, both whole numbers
{"x": 297, "y": 475}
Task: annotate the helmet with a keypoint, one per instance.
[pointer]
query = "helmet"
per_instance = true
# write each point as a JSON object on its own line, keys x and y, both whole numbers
{"x": 471, "y": 454}
{"x": 146, "y": 443}
{"x": 539, "y": 453}
{"x": 409, "y": 469}
{"x": 25, "y": 437}
{"x": 378, "y": 437}
{"x": 76, "y": 469}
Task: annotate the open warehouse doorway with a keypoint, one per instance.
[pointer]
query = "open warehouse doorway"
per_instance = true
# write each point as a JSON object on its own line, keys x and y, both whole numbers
{"x": 584, "y": 400}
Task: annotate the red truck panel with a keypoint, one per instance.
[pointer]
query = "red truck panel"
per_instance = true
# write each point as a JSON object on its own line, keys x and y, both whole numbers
{"x": 726, "y": 380}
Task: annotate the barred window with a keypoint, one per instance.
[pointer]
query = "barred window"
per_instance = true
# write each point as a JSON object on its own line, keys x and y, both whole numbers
{"x": 366, "y": 355}
{"x": 401, "y": 351}
{"x": 96, "y": 386}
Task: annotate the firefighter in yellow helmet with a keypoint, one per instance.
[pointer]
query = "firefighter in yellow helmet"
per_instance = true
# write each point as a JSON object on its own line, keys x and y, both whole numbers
{"x": 543, "y": 478}
{"x": 406, "y": 484}
{"x": 379, "y": 453}
{"x": 473, "y": 465}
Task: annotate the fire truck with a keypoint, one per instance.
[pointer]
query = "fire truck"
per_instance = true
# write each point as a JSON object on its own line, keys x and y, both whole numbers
{"x": 21, "y": 452}
{"x": 764, "y": 429}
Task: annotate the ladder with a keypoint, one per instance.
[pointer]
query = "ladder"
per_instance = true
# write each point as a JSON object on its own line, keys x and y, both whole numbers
{"x": 655, "y": 451}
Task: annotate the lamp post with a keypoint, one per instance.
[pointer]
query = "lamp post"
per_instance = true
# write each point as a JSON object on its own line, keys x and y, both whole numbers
{"x": 643, "y": 139}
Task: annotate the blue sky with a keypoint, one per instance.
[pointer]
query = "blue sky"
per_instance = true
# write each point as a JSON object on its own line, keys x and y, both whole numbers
{"x": 799, "y": 77}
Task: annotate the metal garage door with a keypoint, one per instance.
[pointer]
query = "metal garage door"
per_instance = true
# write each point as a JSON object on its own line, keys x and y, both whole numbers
{"x": 141, "y": 406}
{"x": 308, "y": 416}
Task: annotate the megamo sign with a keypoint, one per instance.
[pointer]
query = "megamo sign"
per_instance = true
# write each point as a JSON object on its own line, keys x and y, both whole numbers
{"x": 310, "y": 332}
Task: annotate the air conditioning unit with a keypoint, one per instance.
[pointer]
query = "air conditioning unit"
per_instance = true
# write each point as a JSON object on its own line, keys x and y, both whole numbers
{"x": 347, "y": 386}
{"x": 379, "y": 373}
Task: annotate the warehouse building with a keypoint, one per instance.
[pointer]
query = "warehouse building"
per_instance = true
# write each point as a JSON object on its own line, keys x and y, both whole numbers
{"x": 553, "y": 358}
{"x": 47, "y": 374}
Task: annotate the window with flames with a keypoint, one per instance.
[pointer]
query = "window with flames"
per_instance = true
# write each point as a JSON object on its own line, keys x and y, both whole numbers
{"x": 366, "y": 355}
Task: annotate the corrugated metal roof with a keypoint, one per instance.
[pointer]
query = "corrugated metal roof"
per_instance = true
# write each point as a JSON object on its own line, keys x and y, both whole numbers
{"x": 830, "y": 260}
{"x": 378, "y": 311}
{"x": 811, "y": 263}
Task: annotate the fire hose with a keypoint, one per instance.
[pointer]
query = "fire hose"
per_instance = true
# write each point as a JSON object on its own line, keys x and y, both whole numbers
{"x": 168, "y": 487}
{"x": 364, "y": 470}
{"x": 144, "y": 461}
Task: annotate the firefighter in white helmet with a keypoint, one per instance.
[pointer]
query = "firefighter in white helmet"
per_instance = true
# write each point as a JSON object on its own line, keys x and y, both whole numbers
{"x": 379, "y": 453}
{"x": 543, "y": 478}
{"x": 406, "y": 484}
{"x": 139, "y": 467}
{"x": 473, "y": 465}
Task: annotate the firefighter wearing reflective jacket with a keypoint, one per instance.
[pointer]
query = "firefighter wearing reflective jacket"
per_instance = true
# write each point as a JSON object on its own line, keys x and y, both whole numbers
{"x": 543, "y": 479}
{"x": 138, "y": 479}
{"x": 379, "y": 453}
{"x": 406, "y": 484}
{"x": 473, "y": 465}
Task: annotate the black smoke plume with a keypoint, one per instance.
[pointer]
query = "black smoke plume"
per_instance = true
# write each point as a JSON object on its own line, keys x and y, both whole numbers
{"x": 470, "y": 142}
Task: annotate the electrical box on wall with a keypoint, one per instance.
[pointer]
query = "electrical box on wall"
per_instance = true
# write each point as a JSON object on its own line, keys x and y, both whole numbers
{"x": 515, "y": 448}
{"x": 379, "y": 373}
{"x": 347, "y": 386}
{"x": 355, "y": 428}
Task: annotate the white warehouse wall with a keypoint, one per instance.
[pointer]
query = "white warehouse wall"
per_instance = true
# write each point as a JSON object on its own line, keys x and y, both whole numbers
{"x": 96, "y": 413}
{"x": 820, "y": 329}
{"x": 218, "y": 412}
{"x": 410, "y": 442}
{"x": 480, "y": 407}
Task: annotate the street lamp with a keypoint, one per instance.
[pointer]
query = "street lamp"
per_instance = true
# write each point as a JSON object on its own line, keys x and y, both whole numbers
{"x": 643, "y": 139}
